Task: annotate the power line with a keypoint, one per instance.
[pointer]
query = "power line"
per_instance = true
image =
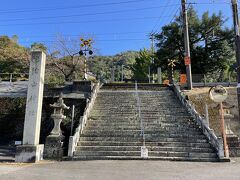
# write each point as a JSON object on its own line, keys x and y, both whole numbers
{"x": 71, "y": 7}
{"x": 160, "y": 17}
{"x": 97, "y": 40}
{"x": 173, "y": 17}
{"x": 87, "y": 14}
{"x": 86, "y": 21}
{"x": 95, "y": 34}
{"x": 207, "y": 3}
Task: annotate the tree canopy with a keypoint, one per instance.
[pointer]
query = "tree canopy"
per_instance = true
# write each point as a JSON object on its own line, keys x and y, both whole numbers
{"x": 211, "y": 43}
{"x": 13, "y": 57}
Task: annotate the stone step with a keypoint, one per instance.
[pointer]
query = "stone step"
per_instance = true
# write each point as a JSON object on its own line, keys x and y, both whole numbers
{"x": 133, "y": 143}
{"x": 109, "y": 104}
{"x": 113, "y": 128}
{"x": 130, "y": 112}
{"x": 137, "y": 125}
{"x": 135, "y": 133}
{"x": 7, "y": 154}
{"x": 148, "y": 116}
{"x": 147, "y": 136}
{"x": 141, "y": 86}
{"x": 192, "y": 159}
{"x": 125, "y": 101}
{"x": 146, "y": 128}
{"x": 150, "y": 153}
{"x": 150, "y": 148}
{"x": 156, "y": 116}
{"x": 139, "y": 139}
{"x": 137, "y": 122}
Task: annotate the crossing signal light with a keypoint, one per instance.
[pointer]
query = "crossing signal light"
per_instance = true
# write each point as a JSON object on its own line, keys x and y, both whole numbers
{"x": 80, "y": 53}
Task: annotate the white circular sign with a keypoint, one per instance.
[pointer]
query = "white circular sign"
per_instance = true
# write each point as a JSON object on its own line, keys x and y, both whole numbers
{"x": 218, "y": 94}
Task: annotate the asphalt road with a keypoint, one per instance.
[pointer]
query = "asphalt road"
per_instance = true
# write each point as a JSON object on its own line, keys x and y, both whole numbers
{"x": 121, "y": 170}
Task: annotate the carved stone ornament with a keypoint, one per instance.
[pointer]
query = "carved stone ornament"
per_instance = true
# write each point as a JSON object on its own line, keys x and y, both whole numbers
{"x": 58, "y": 115}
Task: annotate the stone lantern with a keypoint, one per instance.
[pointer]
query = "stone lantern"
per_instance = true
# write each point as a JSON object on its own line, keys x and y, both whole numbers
{"x": 54, "y": 142}
{"x": 58, "y": 116}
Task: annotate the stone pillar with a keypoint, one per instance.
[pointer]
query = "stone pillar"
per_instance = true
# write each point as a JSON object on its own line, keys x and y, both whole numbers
{"x": 31, "y": 151}
{"x": 54, "y": 142}
{"x": 159, "y": 75}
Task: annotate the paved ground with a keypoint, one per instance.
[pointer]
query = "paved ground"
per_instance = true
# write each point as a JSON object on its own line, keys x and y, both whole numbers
{"x": 121, "y": 170}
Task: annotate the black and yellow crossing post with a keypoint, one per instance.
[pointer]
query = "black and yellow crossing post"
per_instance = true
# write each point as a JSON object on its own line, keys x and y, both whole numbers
{"x": 86, "y": 46}
{"x": 172, "y": 64}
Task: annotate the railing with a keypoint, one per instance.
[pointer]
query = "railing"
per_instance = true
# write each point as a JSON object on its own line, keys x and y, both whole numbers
{"x": 73, "y": 140}
{"x": 140, "y": 114}
{"x": 217, "y": 142}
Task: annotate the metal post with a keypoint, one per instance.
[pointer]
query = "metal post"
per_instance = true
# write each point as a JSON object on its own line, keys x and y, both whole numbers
{"x": 11, "y": 76}
{"x": 237, "y": 42}
{"x": 205, "y": 80}
{"x": 73, "y": 114}
{"x": 172, "y": 75}
{"x": 187, "y": 46}
{"x": 85, "y": 67}
{"x": 206, "y": 114}
{"x": 226, "y": 152}
{"x": 140, "y": 114}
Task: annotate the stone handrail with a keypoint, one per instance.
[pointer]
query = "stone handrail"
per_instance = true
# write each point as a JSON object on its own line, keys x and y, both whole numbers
{"x": 73, "y": 140}
{"x": 217, "y": 142}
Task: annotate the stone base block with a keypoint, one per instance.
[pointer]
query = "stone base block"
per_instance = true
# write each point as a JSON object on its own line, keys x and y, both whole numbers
{"x": 54, "y": 147}
{"x": 29, "y": 153}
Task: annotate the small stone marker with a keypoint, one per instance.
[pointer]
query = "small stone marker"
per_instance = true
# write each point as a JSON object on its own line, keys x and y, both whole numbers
{"x": 159, "y": 75}
{"x": 31, "y": 150}
{"x": 144, "y": 152}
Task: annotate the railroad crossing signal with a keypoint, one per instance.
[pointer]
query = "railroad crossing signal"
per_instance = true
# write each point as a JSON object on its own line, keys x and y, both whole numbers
{"x": 172, "y": 64}
{"x": 86, "y": 46}
{"x": 86, "y": 42}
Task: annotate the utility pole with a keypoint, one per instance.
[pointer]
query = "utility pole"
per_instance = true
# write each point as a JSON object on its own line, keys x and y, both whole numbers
{"x": 187, "y": 58}
{"x": 152, "y": 53}
{"x": 237, "y": 42}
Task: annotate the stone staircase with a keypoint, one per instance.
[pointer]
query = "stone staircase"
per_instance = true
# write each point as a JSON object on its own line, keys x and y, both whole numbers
{"x": 113, "y": 129}
{"x": 7, "y": 153}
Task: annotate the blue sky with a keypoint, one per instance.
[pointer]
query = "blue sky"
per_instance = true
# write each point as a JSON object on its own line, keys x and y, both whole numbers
{"x": 115, "y": 25}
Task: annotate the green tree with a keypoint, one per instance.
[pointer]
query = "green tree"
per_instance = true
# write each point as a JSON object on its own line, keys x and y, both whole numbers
{"x": 211, "y": 44}
{"x": 13, "y": 57}
{"x": 102, "y": 65}
{"x": 39, "y": 46}
{"x": 140, "y": 67}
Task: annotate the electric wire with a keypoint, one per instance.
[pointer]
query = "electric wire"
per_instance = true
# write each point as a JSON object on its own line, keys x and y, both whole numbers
{"x": 71, "y": 7}
{"x": 86, "y": 14}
